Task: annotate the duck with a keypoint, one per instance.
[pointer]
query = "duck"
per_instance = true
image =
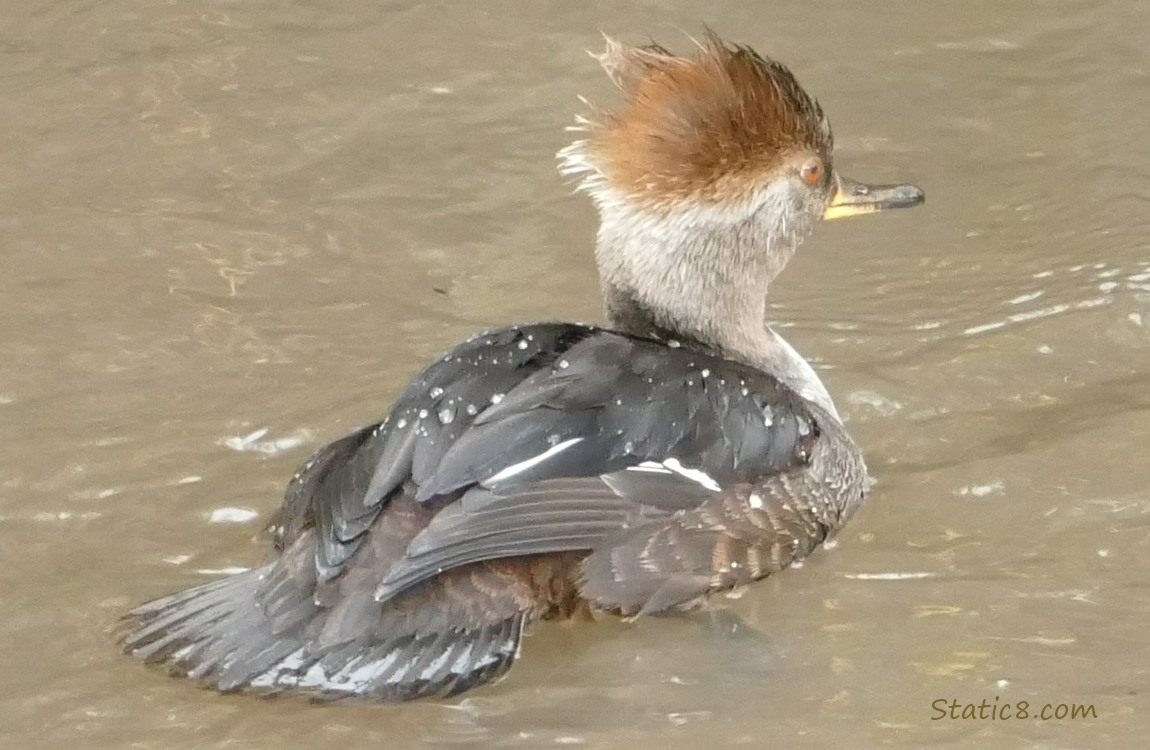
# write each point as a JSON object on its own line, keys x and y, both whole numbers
{"x": 549, "y": 470}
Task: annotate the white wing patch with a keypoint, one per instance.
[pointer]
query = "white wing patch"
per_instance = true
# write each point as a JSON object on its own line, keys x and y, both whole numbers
{"x": 673, "y": 466}
{"x": 522, "y": 466}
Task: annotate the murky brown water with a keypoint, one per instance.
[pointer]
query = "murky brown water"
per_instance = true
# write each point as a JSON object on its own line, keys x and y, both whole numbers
{"x": 222, "y": 218}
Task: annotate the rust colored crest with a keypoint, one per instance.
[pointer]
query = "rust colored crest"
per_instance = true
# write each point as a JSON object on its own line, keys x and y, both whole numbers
{"x": 708, "y": 127}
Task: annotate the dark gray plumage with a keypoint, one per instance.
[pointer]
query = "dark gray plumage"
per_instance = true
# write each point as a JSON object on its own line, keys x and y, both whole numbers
{"x": 411, "y": 558}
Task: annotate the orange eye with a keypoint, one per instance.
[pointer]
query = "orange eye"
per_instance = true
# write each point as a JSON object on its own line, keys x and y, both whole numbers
{"x": 812, "y": 170}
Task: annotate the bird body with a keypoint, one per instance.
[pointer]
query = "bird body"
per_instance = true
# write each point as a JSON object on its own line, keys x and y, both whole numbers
{"x": 539, "y": 470}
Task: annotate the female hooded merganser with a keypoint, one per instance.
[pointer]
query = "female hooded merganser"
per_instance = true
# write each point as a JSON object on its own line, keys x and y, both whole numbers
{"x": 537, "y": 470}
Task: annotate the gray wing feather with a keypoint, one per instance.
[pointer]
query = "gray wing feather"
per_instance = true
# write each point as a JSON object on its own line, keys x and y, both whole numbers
{"x": 556, "y": 515}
